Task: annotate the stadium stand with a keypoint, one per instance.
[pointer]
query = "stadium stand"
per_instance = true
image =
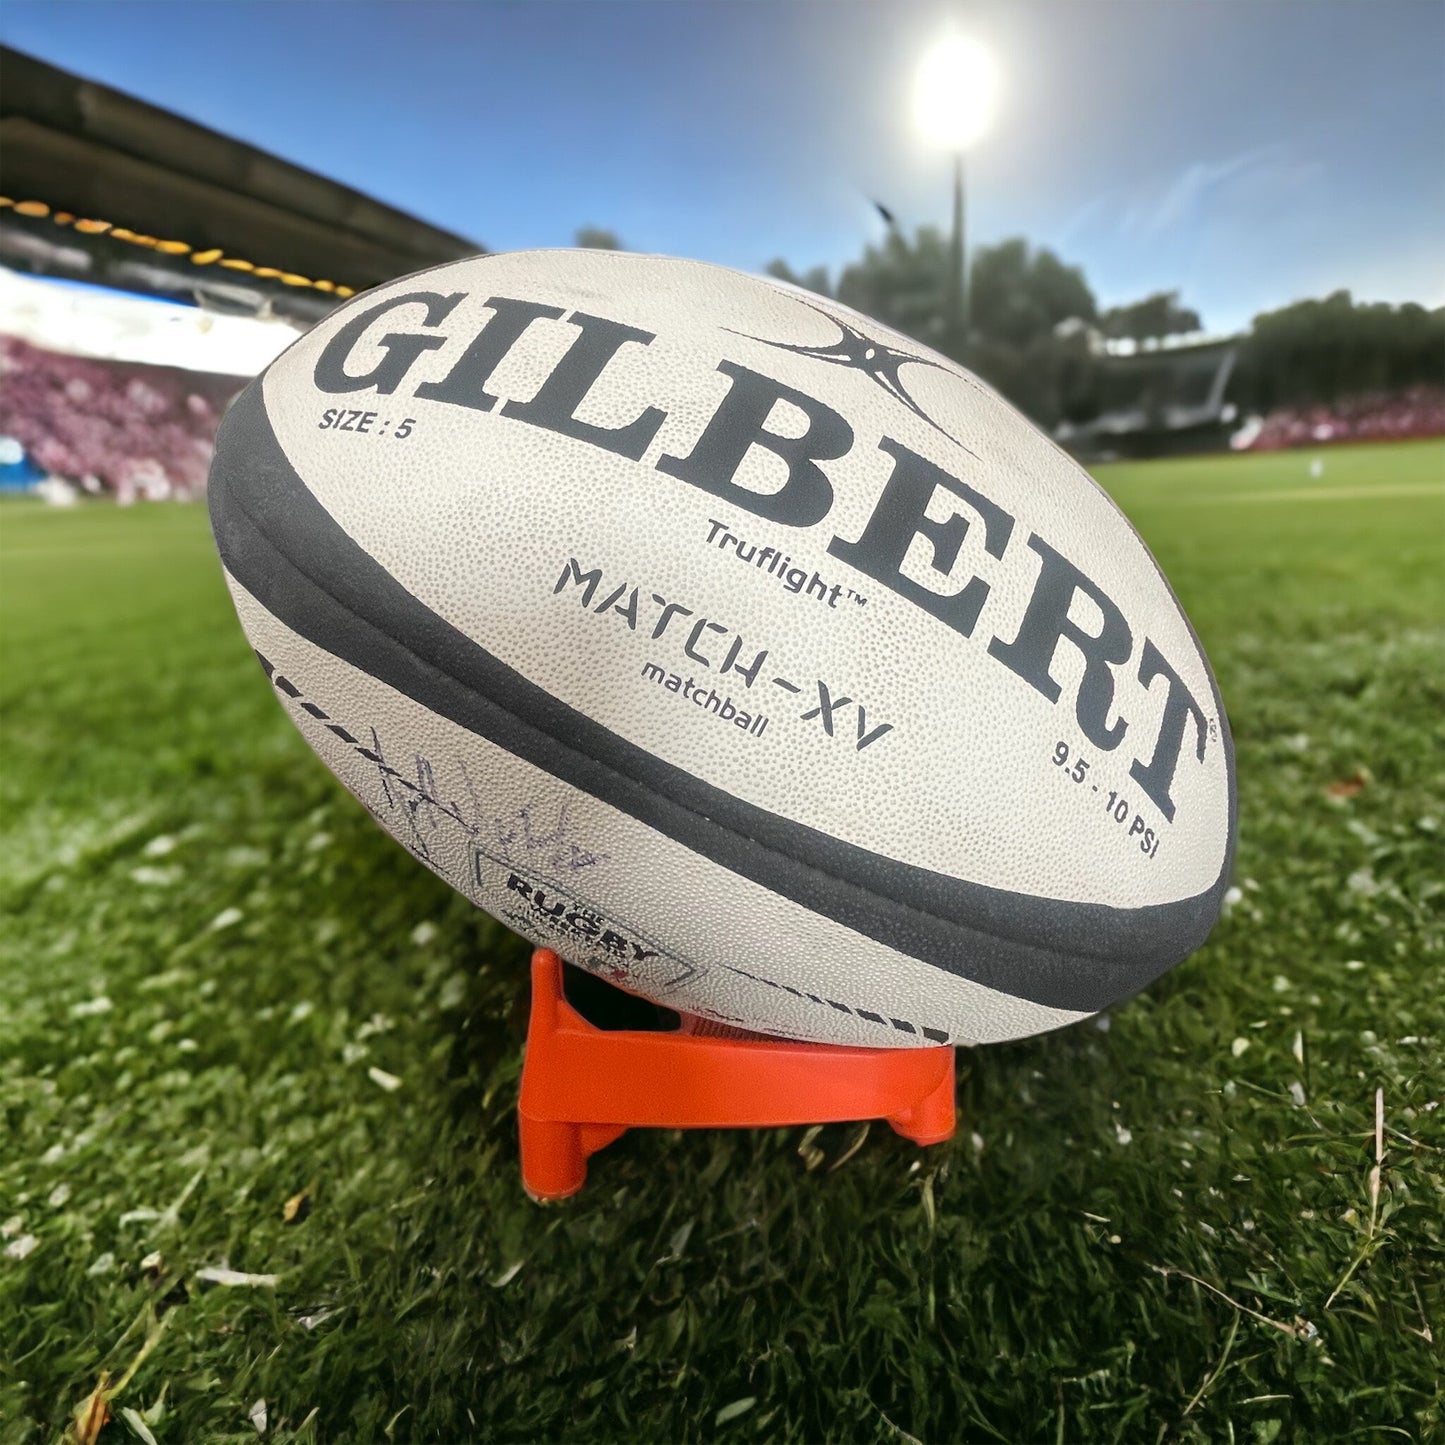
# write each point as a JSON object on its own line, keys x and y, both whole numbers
{"x": 100, "y": 186}
{"x": 102, "y": 390}
{"x": 1159, "y": 402}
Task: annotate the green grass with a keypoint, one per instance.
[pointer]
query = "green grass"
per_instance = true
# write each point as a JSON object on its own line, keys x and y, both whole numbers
{"x": 1164, "y": 1230}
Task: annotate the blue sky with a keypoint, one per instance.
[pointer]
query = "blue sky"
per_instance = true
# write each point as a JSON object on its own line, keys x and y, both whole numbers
{"x": 1247, "y": 153}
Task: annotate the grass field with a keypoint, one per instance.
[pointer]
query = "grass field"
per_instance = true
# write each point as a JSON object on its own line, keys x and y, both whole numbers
{"x": 215, "y": 969}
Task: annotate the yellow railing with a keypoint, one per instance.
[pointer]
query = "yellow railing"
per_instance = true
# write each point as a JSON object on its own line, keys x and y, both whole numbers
{"x": 215, "y": 256}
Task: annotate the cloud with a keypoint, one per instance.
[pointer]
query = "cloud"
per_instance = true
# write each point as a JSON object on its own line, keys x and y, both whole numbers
{"x": 1182, "y": 198}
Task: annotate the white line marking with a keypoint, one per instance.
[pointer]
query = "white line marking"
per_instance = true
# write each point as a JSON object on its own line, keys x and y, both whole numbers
{"x": 1309, "y": 494}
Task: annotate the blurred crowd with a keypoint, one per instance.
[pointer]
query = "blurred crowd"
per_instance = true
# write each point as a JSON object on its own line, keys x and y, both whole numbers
{"x": 1419, "y": 411}
{"x": 132, "y": 430}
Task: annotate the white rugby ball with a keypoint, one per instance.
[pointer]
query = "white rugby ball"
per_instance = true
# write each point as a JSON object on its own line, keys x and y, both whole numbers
{"x": 742, "y": 650}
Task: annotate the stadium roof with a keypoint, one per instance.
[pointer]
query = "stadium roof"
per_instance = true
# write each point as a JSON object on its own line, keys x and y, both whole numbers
{"x": 73, "y": 150}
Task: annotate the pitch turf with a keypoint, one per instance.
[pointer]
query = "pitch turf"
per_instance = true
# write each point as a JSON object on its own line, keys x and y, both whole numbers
{"x": 215, "y": 969}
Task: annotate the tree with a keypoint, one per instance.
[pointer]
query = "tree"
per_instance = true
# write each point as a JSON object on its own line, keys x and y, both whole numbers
{"x": 904, "y": 284}
{"x": 1155, "y": 317}
{"x": 813, "y": 279}
{"x": 1020, "y": 295}
{"x": 1320, "y": 351}
{"x": 597, "y": 238}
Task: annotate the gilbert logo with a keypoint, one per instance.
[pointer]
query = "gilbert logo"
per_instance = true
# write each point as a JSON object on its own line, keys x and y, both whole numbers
{"x": 1115, "y": 662}
{"x": 879, "y": 362}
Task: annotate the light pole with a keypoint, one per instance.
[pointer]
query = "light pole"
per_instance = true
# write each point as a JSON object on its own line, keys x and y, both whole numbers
{"x": 954, "y": 95}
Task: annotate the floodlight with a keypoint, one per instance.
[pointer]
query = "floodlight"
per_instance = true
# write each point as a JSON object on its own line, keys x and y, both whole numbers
{"x": 955, "y": 92}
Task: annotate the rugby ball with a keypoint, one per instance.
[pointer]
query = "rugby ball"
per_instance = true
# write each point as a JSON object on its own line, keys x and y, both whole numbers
{"x": 747, "y": 653}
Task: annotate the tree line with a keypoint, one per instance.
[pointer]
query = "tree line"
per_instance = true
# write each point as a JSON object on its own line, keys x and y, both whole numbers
{"x": 1036, "y": 332}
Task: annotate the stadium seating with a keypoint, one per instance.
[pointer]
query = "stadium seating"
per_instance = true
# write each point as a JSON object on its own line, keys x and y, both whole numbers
{"x": 1417, "y": 412}
{"x": 133, "y": 430}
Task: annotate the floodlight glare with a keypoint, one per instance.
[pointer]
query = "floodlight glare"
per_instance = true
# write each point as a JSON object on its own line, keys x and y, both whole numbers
{"x": 955, "y": 92}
